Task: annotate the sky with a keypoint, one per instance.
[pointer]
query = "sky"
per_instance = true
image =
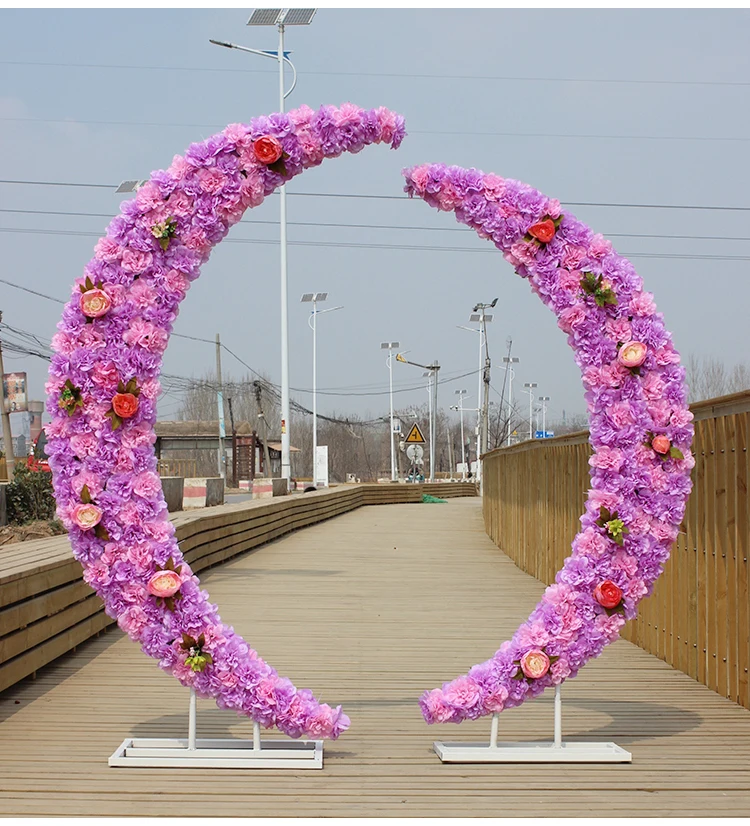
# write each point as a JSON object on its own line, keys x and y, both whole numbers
{"x": 628, "y": 107}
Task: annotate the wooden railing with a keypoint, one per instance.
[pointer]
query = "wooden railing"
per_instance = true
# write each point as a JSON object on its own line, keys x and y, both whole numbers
{"x": 698, "y": 617}
{"x": 178, "y": 467}
{"x": 46, "y": 609}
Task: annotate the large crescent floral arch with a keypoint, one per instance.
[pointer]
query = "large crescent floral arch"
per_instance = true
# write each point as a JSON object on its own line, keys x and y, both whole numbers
{"x": 641, "y": 432}
{"x": 104, "y": 384}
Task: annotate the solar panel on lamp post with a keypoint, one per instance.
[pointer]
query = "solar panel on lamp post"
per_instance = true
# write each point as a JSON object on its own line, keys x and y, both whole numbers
{"x": 280, "y": 18}
{"x": 390, "y": 346}
{"x": 314, "y": 298}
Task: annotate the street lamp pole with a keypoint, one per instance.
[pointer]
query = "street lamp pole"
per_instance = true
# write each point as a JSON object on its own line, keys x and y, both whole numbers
{"x": 544, "y": 400}
{"x": 460, "y": 408}
{"x": 530, "y": 390}
{"x": 280, "y": 18}
{"x": 510, "y": 362}
{"x": 313, "y": 325}
{"x": 390, "y": 346}
{"x": 428, "y": 376}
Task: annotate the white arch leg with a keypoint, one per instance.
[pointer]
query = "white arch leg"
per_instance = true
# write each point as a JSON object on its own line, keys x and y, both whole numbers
{"x": 550, "y": 752}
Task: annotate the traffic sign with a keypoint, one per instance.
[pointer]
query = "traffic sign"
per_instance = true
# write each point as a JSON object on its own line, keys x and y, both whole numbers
{"x": 415, "y": 436}
{"x": 415, "y": 453}
{"x": 544, "y": 434}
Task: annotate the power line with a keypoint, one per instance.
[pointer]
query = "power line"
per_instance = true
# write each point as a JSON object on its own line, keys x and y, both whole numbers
{"x": 336, "y": 225}
{"x": 473, "y": 134}
{"x": 405, "y": 198}
{"x": 375, "y": 246}
{"x": 398, "y": 75}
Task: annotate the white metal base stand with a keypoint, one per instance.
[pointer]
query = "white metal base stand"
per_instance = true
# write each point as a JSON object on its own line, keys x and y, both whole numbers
{"x": 555, "y": 752}
{"x": 218, "y": 754}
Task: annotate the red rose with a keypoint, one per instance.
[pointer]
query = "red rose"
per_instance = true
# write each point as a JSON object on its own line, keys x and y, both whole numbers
{"x": 125, "y": 405}
{"x": 661, "y": 444}
{"x": 544, "y": 231}
{"x": 267, "y": 149}
{"x": 607, "y": 594}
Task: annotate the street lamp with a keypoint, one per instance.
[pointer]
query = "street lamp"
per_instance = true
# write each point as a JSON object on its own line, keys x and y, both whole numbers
{"x": 390, "y": 346}
{"x": 428, "y": 375}
{"x": 510, "y": 362}
{"x": 460, "y": 408}
{"x": 544, "y": 400}
{"x": 482, "y": 330}
{"x": 312, "y": 323}
{"x": 280, "y": 18}
{"x": 530, "y": 385}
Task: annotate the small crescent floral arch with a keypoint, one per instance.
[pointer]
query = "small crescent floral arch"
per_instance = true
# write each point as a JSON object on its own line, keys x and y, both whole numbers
{"x": 103, "y": 386}
{"x": 641, "y": 432}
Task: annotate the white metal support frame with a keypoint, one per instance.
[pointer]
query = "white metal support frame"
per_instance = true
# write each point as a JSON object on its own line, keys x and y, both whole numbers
{"x": 192, "y": 753}
{"x": 555, "y": 752}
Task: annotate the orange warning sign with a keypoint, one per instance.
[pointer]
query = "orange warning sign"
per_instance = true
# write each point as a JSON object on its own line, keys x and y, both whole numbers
{"x": 415, "y": 436}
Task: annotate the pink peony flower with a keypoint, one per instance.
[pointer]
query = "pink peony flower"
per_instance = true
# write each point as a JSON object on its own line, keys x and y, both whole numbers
{"x": 144, "y": 334}
{"x": 86, "y": 515}
{"x": 599, "y": 246}
{"x": 462, "y": 693}
{"x": 139, "y": 555}
{"x": 212, "y": 180}
{"x": 495, "y": 702}
{"x": 632, "y": 354}
{"x": 607, "y": 458}
{"x": 267, "y": 149}
{"x": 107, "y": 250}
{"x": 569, "y": 280}
{"x": 105, "y": 374}
{"x": 494, "y": 188}
{"x": 133, "y": 621}
{"x": 591, "y": 543}
{"x": 653, "y": 386}
{"x": 435, "y": 707}
{"x": 572, "y": 317}
{"x": 618, "y": 329}
{"x": 147, "y": 485}
{"x": 83, "y": 445}
{"x": 135, "y": 261}
{"x": 535, "y": 664}
{"x": 559, "y": 671}
{"x": 94, "y": 303}
{"x": 642, "y": 304}
{"x": 164, "y": 584}
{"x": 572, "y": 257}
{"x": 142, "y": 295}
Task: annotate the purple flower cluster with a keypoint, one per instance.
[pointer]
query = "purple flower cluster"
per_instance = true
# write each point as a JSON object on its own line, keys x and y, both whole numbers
{"x": 641, "y": 432}
{"x": 113, "y": 333}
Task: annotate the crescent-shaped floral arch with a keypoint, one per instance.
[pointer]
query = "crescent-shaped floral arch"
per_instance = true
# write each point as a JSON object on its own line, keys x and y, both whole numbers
{"x": 103, "y": 387}
{"x": 641, "y": 432}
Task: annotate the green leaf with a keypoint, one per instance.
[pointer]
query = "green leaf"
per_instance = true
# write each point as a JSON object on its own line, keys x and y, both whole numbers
{"x": 101, "y": 532}
{"x": 85, "y": 495}
{"x": 278, "y": 166}
{"x": 676, "y": 453}
{"x": 164, "y": 243}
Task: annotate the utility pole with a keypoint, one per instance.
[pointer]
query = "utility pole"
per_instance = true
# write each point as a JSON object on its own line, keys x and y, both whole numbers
{"x": 234, "y": 444}
{"x": 220, "y": 403}
{"x": 434, "y": 368}
{"x": 261, "y": 416}
{"x": 484, "y": 432}
{"x": 10, "y": 461}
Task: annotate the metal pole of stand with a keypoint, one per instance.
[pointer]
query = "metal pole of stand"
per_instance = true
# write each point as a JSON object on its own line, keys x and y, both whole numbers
{"x": 191, "y": 720}
{"x": 256, "y": 736}
{"x": 493, "y": 731}
{"x": 558, "y": 718}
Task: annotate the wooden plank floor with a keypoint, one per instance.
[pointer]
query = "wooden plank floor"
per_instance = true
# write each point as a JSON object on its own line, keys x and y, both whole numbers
{"x": 369, "y": 609}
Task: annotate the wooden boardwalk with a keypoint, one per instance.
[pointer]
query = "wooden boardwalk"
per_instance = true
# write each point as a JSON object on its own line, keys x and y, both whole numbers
{"x": 369, "y": 609}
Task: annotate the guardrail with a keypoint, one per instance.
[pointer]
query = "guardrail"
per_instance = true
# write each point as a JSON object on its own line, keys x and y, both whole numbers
{"x": 46, "y": 609}
{"x": 698, "y": 617}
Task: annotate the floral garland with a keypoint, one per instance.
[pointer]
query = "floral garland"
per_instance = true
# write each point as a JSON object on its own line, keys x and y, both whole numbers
{"x": 103, "y": 388}
{"x": 641, "y": 433}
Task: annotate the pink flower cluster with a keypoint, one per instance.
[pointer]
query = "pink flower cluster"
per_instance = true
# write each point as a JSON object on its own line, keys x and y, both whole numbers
{"x": 103, "y": 386}
{"x": 641, "y": 432}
